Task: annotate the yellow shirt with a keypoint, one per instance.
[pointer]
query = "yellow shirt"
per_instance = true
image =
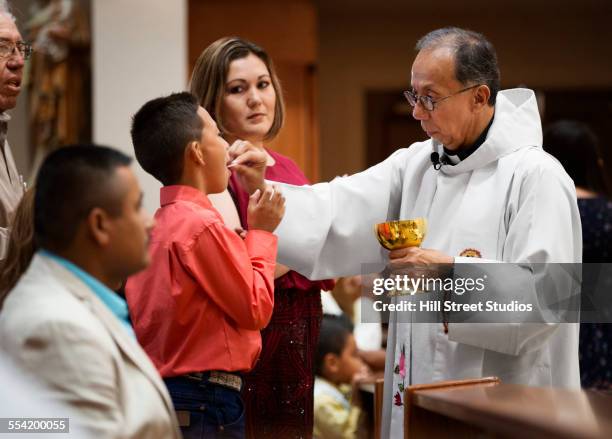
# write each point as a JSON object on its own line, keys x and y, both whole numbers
{"x": 334, "y": 416}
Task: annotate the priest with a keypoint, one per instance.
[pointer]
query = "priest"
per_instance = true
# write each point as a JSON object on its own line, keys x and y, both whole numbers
{"x": 488, "y": 191}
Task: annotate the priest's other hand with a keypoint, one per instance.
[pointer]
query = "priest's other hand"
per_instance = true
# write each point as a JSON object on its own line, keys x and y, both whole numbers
{"x": 249, "y": 162}
{"x": 418, "y": 256}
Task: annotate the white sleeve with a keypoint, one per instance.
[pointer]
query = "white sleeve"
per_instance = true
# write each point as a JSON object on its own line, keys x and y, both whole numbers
{"x": 328, "y": 228}
{"x": 543, "y": 229}
{"x": 368, "y": 335}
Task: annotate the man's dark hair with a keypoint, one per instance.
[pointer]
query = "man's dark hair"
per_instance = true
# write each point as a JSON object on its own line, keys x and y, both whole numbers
{"x": 161, "y": 130}
{"x": 70, "y": 183}
{"x": 332, "y": 338}
{"x": 475, "y": 57}
{"x": 576, "y": 147}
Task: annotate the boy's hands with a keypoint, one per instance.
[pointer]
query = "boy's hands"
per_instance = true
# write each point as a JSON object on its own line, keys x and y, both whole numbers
{"x": 266, "y": 209}
{"x": 363, "y": 375}
{"x": 266, "y": 204}
{"x": 249, "y": 163}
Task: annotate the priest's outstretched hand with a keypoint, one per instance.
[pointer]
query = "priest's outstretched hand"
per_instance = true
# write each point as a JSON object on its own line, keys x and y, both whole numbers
{"x": 249, "y": 162}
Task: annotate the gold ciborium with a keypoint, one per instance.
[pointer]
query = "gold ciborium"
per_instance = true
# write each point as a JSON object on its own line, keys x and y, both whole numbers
{"x": 394, "y": 235}
{"x": 401, "y": 234}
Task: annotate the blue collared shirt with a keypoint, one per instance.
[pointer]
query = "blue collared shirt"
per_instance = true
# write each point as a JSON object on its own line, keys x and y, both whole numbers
{"x": 111, "y": 299}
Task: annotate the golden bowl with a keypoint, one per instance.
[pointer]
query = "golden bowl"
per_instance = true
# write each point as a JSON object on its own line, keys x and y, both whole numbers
{"x": 401, "y": 234}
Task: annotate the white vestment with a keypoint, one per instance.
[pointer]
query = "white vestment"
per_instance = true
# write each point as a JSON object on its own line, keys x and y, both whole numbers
{"x": 509, "y": 200}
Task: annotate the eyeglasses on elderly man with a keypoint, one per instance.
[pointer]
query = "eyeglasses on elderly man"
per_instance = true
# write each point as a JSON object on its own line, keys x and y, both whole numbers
{"x": 427, "y": 102}
{"x": 7, "y": 49}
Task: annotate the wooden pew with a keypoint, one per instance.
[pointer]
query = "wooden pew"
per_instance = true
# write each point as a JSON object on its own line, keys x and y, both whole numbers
{"x": 485, "y": 408}
{"x": 379, "y": 390}
{"x": 421, "y": 422}
{"x": 378, "y": 406}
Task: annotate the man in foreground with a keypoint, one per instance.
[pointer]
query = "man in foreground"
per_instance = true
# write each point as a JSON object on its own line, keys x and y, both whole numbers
{"x": 62, "y": 322}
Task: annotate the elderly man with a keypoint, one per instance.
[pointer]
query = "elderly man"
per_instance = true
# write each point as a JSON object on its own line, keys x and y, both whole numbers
{"x": 13, "y": 53}
{"x": 63, "y": 323}
{"x": 488, "y": 191}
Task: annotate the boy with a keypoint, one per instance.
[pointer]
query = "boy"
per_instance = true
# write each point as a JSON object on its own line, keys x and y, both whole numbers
{"x": 337, "y": 412}
{"x": 198, "y": 309}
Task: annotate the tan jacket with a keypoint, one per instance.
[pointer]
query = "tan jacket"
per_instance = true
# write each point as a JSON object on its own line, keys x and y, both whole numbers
{"x": 54, "y": 327}
{"x": 11, "y": 185}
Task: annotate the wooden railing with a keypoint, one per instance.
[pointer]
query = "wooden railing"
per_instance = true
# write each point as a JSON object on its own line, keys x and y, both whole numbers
{"x": 487, "y": 408}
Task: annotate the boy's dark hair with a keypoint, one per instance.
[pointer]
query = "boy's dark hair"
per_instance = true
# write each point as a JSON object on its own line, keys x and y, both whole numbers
{"x": 335, "y": 331}
{"x": 72, "y": 181}
{"x": 161, "y": 130}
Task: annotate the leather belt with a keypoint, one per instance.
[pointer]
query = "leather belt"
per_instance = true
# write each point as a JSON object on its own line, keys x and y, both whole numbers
{"x": 225, "y": 379}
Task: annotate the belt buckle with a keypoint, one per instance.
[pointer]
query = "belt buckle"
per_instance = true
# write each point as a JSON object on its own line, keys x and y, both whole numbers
{"x": 225, "y": 379}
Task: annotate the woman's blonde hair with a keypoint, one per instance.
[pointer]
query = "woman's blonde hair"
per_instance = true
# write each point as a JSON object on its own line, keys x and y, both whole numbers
{"x": 209, "y": 75}
{"x": 21, "y": 245}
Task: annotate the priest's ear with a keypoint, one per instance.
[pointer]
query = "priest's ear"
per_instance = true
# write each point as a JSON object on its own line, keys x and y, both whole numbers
{"x": 481, "y": 97}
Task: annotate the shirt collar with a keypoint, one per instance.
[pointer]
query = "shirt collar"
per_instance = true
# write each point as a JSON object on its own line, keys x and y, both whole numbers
{"x": 322, "y": 386}
{"x": 457, "y": 156}
{"x": 112, "y": 300}
{"x": 174, "y": 193}
{"x": 4, "y": 118}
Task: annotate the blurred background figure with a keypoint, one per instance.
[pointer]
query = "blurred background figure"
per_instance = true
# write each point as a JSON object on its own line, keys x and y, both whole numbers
{"x": 576, "y": 147}
{"x": 339, "y": 371}
{"x": 348, "y": 298}
{"x": 235, "y": 81}
{"x": 13, "y": 54}
{"x": 21, "y": 245}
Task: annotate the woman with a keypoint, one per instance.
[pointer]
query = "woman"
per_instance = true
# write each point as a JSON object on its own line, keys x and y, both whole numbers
{"x": 235, "y": 82}
{"x": 575, "y": 146}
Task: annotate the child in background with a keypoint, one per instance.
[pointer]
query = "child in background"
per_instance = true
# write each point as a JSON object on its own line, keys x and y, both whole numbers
{"x": 339, "y": 370}
{"x": 198, "y": 309}
{"x": 350, "y": 296}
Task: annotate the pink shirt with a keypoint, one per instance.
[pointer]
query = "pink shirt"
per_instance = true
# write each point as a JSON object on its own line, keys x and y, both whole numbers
{"x": 200, "y": 304}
